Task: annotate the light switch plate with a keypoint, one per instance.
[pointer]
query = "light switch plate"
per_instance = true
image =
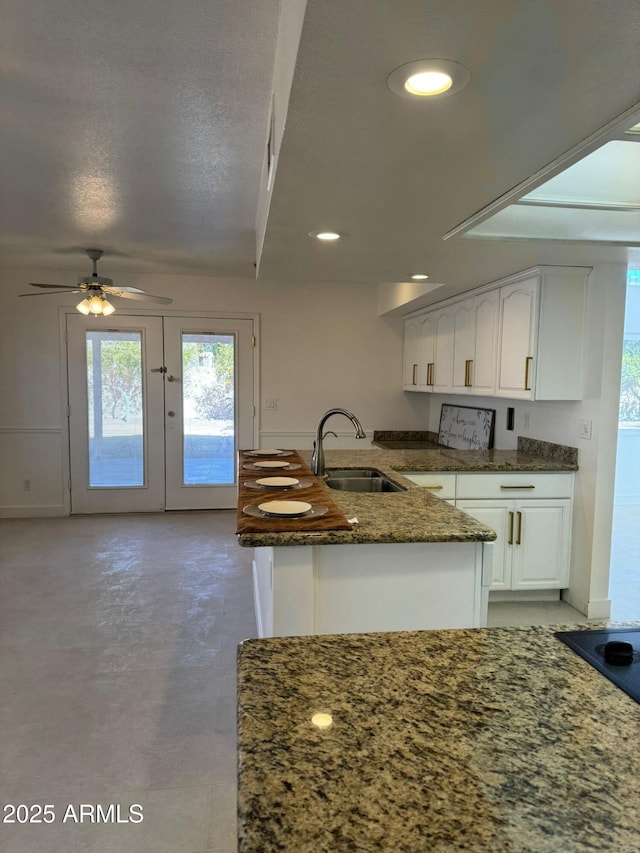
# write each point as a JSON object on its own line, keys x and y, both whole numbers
{"x": 585, "y": 429}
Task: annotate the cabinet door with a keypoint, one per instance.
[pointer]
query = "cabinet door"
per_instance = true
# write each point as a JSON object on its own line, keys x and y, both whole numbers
{"x": 426, "y": 352}
{"x": 411, "y": 334}
{"x": 542, "y": 543}
{"x": 500, "y": 517}
{"x": 443, "y": 357}
{"x": 485, "y": 358}
{"x": 463, "y": 316}
{"x": 518, "y": 321}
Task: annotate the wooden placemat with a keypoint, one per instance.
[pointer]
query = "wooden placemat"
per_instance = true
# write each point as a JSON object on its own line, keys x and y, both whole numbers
{"x": 316, "y": 493}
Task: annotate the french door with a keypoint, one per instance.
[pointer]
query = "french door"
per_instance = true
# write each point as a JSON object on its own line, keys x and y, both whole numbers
{"x": 157, "y": 409}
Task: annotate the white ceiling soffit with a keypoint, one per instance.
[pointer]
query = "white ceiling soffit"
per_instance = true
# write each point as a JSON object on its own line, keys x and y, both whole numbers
{"x": 596, "y": 199}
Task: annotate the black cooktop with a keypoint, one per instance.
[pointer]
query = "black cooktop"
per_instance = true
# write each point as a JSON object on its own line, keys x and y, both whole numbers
{"x": 615, "y": 652}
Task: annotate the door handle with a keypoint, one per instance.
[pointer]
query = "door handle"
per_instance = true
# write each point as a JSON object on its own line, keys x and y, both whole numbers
{"x": 159, "y": 369}
{"x": 519, "y": 539}
{"x": 413, "y": 376}
{"x": 467, "y": 372}
{"x": 527, "y": 367}
{"x": 171, "y": 414}
{"x": 172, "y": 378}
{"x": 510, "y": 529}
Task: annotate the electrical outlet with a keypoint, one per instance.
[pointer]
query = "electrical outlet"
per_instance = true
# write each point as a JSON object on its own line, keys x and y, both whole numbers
{"x": 271, "y": 403}
{"x": 527, "y": 420}
{"x": 585, "y": 429}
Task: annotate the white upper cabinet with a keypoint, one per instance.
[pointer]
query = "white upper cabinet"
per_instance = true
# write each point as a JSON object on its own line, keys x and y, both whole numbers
{"x": 541, "y": 338}
{"x": 518, "y": 313}
{"x": 442, "y": 371}
{"x": 411, "y": 332}
{"x": 521, "y": 338}
{"x": 483, "y": 369}
{"x": 464, "y": 341}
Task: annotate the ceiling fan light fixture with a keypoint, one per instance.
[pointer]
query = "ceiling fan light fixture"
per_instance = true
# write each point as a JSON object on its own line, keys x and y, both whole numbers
{"x": 428, "y": 78}
{"x": 96, "y": 305}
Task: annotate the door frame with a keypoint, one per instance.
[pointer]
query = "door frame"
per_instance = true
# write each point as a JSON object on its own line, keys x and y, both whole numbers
{"x": 149, "y": 312}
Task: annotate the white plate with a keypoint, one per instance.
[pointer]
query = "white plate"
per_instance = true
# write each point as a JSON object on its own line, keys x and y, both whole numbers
{"x": 277, "y": 482}
{"x": 271, "y": 463}
{"x": 265, "y": 452}
{"x": 284, "y": 508}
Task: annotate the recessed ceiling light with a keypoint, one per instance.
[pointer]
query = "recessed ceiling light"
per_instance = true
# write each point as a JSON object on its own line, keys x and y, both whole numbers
{"x": 419, "y": 276}
{"x": 428, "y": 78}
{"x": 327, "y": 236}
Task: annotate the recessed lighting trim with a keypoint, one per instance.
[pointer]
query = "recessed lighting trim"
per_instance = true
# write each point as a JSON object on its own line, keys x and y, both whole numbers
{"x": 428, "y": 78}
{"x": 325, "y": 236}
{"x": 419, "y": 276}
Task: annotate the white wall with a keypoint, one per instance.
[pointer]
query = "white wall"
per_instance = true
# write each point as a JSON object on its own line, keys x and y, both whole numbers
{"x": 320, "y": 346}
{"x": 559, "y": 422}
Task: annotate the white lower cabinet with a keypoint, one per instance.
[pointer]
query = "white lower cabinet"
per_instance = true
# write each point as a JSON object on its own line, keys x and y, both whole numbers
{"x": 531, "y": 514}
{"x": 533, "y": 547}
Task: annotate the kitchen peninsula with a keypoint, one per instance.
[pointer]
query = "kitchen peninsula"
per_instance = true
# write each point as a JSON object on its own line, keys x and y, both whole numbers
{"x": 409, "y": 561}
{"x": 496, "y": 740}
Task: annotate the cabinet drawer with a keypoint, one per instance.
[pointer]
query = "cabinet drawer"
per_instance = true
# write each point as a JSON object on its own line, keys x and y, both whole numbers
{"x": 517, "y": 486}
{"x": 442, "y": 485}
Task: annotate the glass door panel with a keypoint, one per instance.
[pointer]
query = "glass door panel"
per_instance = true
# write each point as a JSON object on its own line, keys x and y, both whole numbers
{"x": 114, "y": 409}
{"x": 208, "y": 409}
{"x": 116, "y": 413}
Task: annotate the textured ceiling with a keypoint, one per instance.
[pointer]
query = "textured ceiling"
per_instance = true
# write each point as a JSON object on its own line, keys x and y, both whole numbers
{"x": 140, "y": 126}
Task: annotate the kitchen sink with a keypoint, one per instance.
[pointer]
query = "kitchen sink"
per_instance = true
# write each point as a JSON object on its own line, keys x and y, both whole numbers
{"x": 341, "y": 473}
{"x": 369, "y": 483}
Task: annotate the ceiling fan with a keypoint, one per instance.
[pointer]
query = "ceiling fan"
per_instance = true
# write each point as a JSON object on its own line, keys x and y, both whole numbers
{"x": 96, "y": 289}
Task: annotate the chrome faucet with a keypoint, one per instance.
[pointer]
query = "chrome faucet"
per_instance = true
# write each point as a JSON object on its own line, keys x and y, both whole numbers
{"x": 317, "y": 460}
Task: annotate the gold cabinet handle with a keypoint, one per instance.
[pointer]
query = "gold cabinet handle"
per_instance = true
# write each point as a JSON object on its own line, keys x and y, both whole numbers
{"x": 527, "y": 367}
{"x": 430, "y": 373}
{"x": 517, "y": 487}
{"x": 414, "y": 381}
{"x": 432, "y": 488}
{"x": 519, "y": 539}
{"x": 467, "y": 372}
{"x": 510, "y": 528}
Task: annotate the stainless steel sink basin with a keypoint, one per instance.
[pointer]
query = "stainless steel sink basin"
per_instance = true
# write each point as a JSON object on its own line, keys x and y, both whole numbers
{"x": 369, "y": 483}
{"x": 341, "y": 473}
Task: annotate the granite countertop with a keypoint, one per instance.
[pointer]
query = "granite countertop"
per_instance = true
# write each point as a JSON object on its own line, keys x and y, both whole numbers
{"x": 414, "y": 515}
{"x": 497, "y": 740}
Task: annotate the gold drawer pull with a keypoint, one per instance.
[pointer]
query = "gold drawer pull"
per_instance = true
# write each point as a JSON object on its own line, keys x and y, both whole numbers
{"x": 519, "y": 539}
{"x": 467, "y": 372}
{"x": 527, "y": 366}
{"x": 432, "y": 488}
{"x": 510, "y": 528}
{"x": 430, "y": 373}
{"x": 415, "y": 370}
{"x": 517, "y": 487}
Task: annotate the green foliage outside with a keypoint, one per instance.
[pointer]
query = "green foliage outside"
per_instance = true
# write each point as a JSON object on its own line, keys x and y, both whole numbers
{"x": 630, "y": 382}
{"x": 120, "y": 366}
{"x": 208, "y": 378}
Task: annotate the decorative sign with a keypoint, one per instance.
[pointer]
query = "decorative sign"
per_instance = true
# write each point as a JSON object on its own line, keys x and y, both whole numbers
{"x": 466, "y": 428}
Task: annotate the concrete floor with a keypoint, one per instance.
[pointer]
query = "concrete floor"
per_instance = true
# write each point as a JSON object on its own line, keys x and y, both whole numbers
{"x": 118, "y": 638}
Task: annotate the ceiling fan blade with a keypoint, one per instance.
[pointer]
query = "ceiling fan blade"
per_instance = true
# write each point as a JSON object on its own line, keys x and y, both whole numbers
{"x": 123, "y": 293}
{"x": 58, "y": 286}
{"x": 53, "y": 292}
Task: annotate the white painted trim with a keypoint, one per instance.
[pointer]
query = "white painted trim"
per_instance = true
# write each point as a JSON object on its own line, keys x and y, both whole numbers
{"x": 16, "y": 430}
{"x": 256, "y": 600}
{"x": 32, "y": 511}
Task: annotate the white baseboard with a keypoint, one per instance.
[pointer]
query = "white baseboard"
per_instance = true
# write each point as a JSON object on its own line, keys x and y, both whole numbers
{"x": 32, "y": 511}
{"x": 525, "y": 596}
